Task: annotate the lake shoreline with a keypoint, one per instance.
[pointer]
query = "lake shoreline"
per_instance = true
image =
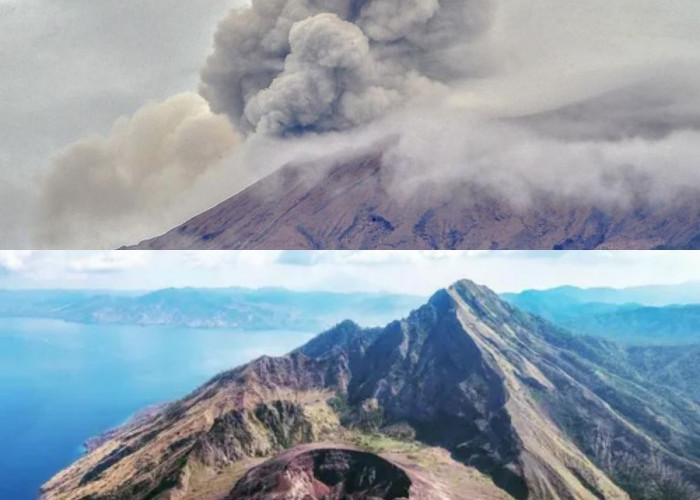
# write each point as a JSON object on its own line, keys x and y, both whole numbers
{"x": 66, "y": 387}
{"x": 136, "y": 419}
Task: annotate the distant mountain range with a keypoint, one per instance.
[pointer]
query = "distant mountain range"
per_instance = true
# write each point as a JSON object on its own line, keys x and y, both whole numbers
{"x": 236, "y": 308}
{"x": 649, "y": 295}
{"x": 466, "y": 398}
{"x": 667, "y": 314}
{"x": 661, "y": 315}
{"x": 354, "y": 205}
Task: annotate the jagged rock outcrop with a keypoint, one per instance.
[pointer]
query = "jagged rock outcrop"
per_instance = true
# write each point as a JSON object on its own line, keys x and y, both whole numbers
{"x": 355, "y": 205}
{"x": 543, "y": 414}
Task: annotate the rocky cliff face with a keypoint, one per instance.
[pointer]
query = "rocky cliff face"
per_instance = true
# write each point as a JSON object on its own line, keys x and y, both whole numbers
{"x": 521, "y": 409}
{"x": 353, "y": 206}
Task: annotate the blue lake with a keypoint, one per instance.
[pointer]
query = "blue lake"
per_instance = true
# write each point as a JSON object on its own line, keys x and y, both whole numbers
{"x": 62, "y": 383}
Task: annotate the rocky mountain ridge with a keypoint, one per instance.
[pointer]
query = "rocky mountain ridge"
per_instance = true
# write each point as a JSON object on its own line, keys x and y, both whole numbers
{"x": 522, "y": 409}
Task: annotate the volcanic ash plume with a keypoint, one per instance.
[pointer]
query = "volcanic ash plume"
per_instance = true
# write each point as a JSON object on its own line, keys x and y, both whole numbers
{"x": 521, "y": 97}
{"x": 595, "y": 102}
{"x": 295, "y": 66}
{"x": 103, "y": 188}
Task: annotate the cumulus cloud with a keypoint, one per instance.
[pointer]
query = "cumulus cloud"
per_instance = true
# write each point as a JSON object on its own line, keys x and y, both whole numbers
{"x": 109, "y": 190}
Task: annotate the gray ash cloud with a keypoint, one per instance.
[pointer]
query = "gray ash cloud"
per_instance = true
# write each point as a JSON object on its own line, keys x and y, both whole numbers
{"x": 295, "y": 66}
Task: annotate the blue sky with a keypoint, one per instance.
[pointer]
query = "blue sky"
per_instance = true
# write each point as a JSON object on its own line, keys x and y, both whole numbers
{"x": 411, "y": 272}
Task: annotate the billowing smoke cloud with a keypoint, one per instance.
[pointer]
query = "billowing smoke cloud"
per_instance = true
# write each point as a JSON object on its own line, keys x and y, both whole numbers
{"x": 107, "y": 191}
{"x": 294, "y": 66}
{"x": 596, "y": 100}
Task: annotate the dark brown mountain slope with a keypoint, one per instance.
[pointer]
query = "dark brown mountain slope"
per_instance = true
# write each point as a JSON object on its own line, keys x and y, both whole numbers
{"x": 522, "y": 409}
{"x": 349, "y": 207}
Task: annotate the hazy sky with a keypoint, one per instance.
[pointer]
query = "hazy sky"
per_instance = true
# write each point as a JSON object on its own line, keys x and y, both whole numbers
{"x": 410, "y": 272}
{"x": 70, "y": 68}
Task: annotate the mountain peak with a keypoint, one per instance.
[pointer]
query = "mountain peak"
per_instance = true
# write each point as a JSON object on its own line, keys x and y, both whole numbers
{"x": 500, "y": 391}
{"x": 337, "y": 339}
{"x": 483, "y": 301}
{"x": 469, "y": 289}
{"x": 289, "y": 209}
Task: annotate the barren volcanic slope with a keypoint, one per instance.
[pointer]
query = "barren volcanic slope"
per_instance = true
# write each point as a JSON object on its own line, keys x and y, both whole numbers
{"x": 467, "y": 398}
{"x": 349, "y": 207}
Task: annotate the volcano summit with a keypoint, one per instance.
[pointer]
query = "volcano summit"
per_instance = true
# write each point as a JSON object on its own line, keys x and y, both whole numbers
{"x": 466, "y": 398}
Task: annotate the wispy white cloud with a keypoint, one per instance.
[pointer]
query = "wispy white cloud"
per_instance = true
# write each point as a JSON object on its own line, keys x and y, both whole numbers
{"x": 402, "y": 272}
{"x": 79, "y": 269}
{"x": 373, "y": 257}
{"x": 108, "y": 262}
{"x": 220, "y": 259}
{"x": 14, "y": 260}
